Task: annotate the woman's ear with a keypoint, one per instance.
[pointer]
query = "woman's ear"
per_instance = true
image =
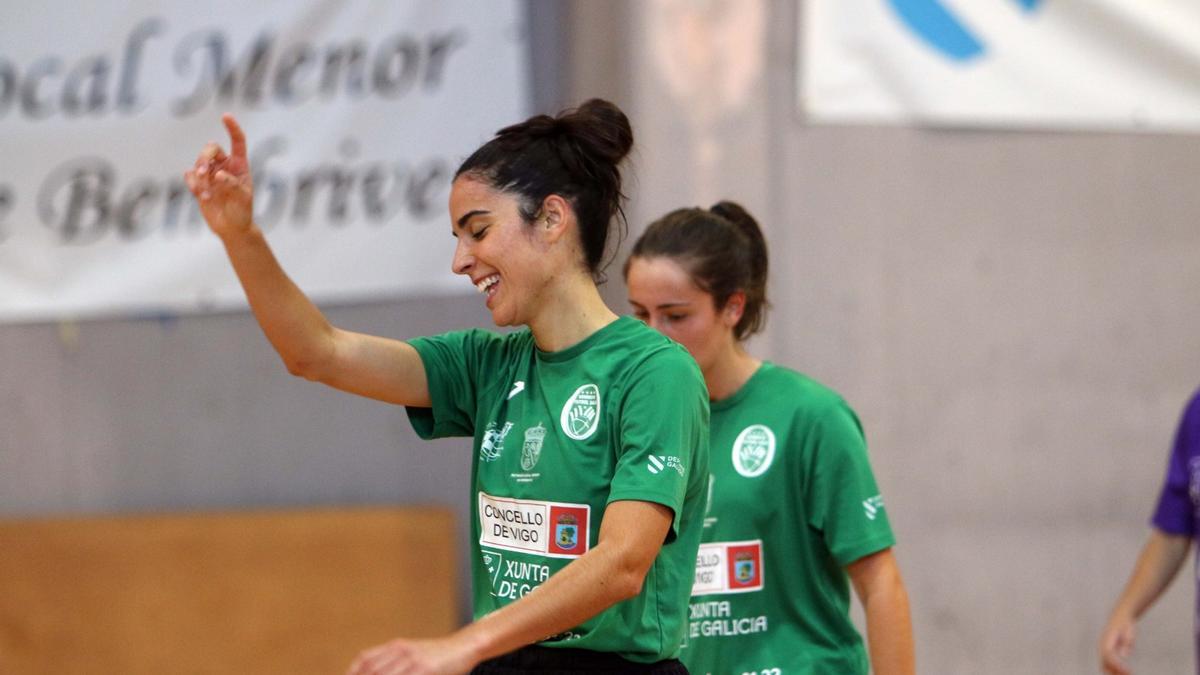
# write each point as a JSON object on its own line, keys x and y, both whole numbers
{"x": 735, "y": 306}
{"x": 554, "y": 216}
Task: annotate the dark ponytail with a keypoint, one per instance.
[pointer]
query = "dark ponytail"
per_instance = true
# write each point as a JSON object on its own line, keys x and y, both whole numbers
{"x": 575, "y": 155}
{"x": 722, "y": 249}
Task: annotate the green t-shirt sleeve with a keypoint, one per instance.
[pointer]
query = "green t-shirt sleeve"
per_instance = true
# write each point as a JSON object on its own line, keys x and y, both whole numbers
{"x": 843, "y": 499}
{"x": 663, "y": 433}
{"x": 451, "y": 365}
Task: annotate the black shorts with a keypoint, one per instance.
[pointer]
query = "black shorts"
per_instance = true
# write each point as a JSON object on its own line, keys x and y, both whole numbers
{"x": 549, "y": 661}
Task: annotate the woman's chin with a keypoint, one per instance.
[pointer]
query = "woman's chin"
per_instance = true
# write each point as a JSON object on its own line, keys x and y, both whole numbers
{"x": 503, "y": 319}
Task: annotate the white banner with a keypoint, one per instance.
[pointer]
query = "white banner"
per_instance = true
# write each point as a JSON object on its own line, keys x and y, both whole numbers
{"x": 357, "y": 114}
{"x": 1091, "y": 64}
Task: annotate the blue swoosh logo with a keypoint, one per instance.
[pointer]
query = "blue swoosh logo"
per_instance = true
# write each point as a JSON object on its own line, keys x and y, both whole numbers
{"x": 938, "y": 27}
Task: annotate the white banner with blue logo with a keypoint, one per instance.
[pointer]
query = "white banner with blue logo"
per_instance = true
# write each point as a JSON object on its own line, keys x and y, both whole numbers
{"x": 356, "y": 112}
{"x": 1071, "y": 64}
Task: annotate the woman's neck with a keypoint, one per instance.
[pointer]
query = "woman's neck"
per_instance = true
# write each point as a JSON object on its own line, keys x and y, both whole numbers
{"x": 730, "y": 372}
{"x": 568, "y": 312}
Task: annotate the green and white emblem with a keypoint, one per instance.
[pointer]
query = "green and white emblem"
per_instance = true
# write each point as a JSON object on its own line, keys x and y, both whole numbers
{"x": 493, "y": 441}
{"x": 753, "y": 450}
{"x": 581, "y": 413}
{"x": 531, "y": 449}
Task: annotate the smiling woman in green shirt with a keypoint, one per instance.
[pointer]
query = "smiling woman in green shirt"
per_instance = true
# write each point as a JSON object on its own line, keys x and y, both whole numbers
{"x": 590, "y": 431}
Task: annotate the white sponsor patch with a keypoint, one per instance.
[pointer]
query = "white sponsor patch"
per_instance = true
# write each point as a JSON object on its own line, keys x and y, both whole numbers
{"x": 553, "y": 529}
{"x": 729, "y": 567}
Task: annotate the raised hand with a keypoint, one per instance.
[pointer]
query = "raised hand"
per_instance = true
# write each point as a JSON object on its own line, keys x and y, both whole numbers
{"x": 222, "y": 183}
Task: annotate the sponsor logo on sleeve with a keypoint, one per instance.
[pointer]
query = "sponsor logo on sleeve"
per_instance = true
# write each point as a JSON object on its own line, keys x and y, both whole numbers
{"x": 659, "y": 463}
{"x": 493, "y": 441}
{"x": 728, "y": 567}
{"x": 872, "y": 506}
{"x": 581, "y": 413}
{"x": 753, "y": 450}
{"x": 554, "y": 529}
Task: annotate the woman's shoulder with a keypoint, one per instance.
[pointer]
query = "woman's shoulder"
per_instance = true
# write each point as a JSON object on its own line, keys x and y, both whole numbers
{"x": 631, "y": 335}
{"x": 782, "y": 381}
{"x": 655, "y": 346}
{"x": 639, "y": 348}
{"x": 481, "y": 342}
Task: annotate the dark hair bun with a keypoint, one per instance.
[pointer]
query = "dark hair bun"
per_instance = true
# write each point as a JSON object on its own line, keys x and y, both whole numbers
{"x": 601, "y": 127}
{"x": 734, "y": 213}
{"x": 747, "y": 225}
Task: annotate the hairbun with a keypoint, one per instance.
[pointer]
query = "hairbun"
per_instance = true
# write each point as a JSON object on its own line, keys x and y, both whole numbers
{"x": 601, "y": 127}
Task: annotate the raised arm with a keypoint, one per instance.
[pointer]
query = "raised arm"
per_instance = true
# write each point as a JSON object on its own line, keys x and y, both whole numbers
{"x": 877, "y": 583}
{"x": 1157, "y": 565}
{"x": 384, "y": 369}
{"x": 631, "y": 536}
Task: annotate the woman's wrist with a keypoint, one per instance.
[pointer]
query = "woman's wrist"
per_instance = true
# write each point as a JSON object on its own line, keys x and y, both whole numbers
{"x": 242, "y": 236}
{"x": 475, "y": 640}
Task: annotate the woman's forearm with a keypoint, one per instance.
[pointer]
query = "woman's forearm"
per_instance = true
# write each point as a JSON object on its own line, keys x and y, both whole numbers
{"x": 1156, "y": 567}
{"x": 614, "y": 570}
{"x": 881, "y": 590}
{"x": 889, "y": 632}
{"x": 295, "y": 327}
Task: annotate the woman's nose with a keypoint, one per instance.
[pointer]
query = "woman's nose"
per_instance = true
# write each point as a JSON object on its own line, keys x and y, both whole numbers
{"x": 462, "y": 261}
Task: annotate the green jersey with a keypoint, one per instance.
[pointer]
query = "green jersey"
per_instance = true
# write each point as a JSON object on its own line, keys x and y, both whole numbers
{"x": 559, "y": 436}
{"x": 792, "y": 501}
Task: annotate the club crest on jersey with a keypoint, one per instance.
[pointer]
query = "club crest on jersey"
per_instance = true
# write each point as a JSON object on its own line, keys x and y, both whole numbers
{"x": 581, "y": 413}
{"x": 566, "y": 532}
{"x": 729, "y": 567}
{"x": 753, "y": 450}
{"x": 743, "y": 567}
{"x": 531, "y": 449}
{"x": 493, "y": 441}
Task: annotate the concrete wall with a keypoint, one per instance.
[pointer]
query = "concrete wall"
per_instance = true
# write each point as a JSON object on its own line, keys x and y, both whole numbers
{"x": 1012, "y": 314}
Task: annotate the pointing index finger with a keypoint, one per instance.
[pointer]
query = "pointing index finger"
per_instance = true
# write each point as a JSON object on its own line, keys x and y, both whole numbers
{"x": 237, "y": 139}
